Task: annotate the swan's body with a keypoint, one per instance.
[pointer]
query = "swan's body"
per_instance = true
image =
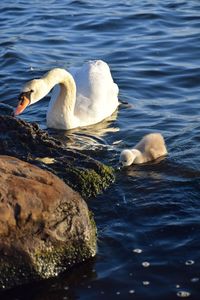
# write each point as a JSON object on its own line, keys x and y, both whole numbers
{"x": 86, "y": 98}
{"x": 151, "y": 147}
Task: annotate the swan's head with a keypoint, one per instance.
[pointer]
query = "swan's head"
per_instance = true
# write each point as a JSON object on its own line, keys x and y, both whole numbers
{"x": 129, "y": 157}
{"x": 126, "y": 158}
{"x": 32, "y": 92}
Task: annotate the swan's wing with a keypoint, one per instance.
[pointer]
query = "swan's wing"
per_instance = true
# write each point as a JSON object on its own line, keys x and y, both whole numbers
{"x": 152, "y": 145}
{"x": 96, "y": 92}
{"x": 153, "y": 154}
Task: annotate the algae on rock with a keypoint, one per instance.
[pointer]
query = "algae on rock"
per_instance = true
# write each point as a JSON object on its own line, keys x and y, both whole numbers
{"x": 28, "y": 142}
{"x": 45, "y": 226}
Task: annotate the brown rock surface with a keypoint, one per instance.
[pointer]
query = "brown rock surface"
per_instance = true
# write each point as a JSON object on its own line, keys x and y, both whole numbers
{"x": 44, "y": 225}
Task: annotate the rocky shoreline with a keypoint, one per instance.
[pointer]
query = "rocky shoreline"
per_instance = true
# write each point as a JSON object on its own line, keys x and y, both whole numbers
{"x": 29, "y": 143}
{"x": 45, "y": 225}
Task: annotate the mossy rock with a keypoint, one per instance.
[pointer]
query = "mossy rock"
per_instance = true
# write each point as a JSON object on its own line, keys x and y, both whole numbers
{"x": 45, "y": 226}
{"x": 28, "y": 142}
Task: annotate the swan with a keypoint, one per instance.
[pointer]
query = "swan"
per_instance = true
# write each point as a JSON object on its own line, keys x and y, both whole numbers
{"x": 83, "y": 97}
{"x": 149, "y": 148}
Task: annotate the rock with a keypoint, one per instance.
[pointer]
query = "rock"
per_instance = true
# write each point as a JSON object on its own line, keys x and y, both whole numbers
{"x": 27, "y": 142}
{"x": 45, "y": 226}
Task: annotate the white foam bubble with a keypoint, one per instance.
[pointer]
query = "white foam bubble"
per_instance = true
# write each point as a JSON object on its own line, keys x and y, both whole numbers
{"x": 118, "y": 293}
{"x": 146, "y": 282}
{"x": 145, "y": 264}
{"x": 183, "y": 294}
{"x": 137, "y": 250}
{"x": 189, "y": 262}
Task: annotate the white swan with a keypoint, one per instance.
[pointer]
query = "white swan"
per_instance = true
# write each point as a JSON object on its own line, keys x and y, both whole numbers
{"x": 149, "y": 148}
{"x": 86, "y": 98}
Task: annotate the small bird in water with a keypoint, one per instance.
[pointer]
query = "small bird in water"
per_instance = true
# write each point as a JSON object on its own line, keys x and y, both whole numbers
{"x": 151, "y": 147}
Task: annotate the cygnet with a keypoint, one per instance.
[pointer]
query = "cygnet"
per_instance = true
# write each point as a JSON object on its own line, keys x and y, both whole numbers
{"x": 149, "y": 148}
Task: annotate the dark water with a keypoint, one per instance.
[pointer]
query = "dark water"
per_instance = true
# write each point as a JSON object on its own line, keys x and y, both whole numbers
{"x": 153, "y": 49}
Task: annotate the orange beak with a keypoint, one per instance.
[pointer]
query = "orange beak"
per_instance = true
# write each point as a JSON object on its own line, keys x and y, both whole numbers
{"x": 23, "y": 103}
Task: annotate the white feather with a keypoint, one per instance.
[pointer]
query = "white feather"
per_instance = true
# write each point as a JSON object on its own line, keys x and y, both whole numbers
{"x": 151, "y": 147}
{"x": 85, "y": 97}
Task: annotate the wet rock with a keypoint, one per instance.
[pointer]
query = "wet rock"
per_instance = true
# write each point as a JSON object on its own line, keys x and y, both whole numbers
{"x": 45, "y": 226}
{"x": 27, "y": 142}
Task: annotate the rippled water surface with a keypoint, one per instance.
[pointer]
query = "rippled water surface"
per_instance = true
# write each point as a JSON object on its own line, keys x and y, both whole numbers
{"x": 149, "y": 220}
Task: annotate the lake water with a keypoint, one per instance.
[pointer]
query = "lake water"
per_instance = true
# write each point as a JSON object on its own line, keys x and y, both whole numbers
{"x": 149, "y": 219}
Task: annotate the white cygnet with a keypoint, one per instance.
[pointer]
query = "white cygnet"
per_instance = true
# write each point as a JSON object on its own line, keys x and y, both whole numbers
{"x": 149, "y": 148}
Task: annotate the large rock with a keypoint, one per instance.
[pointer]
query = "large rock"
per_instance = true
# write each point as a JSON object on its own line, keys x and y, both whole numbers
{"x": 27, "y": 142}
{"x": 45, "y": 226}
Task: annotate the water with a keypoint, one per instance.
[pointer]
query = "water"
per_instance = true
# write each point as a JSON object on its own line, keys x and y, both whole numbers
{"x": 148, "y": 221}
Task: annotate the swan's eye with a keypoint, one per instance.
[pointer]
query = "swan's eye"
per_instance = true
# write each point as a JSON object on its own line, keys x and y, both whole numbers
{"x": 125, "y": 161}
{"x": 24, "y": 97}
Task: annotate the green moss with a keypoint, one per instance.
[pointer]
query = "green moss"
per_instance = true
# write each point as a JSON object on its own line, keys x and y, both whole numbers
{"x": 107, "y": 175}
{"x": 51, "y": 261}
{"x": 93, "y": 224}
{"x": 47, "y": 260}
{"x": 93, "y": 240}
{"x": 80, "y": 171}
{"x": 90, "y": 182}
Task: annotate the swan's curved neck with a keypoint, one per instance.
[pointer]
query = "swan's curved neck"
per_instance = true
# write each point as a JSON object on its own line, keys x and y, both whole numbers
{"x": 61, "y": 106}
{"x": 138, "y": 157}
{"x": 67, "y": 85}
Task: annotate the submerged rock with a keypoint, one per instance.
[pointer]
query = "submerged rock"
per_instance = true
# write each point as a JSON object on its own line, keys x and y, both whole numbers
{"x": 27, "y": 142}
{"x": 45, "y": 226}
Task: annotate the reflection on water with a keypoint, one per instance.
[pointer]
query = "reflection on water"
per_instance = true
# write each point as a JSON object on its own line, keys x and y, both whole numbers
{"x": 88, "y": 138}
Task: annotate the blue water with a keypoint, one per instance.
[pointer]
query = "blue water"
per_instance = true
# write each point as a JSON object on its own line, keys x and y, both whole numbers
{"x": 149, "y": 220}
